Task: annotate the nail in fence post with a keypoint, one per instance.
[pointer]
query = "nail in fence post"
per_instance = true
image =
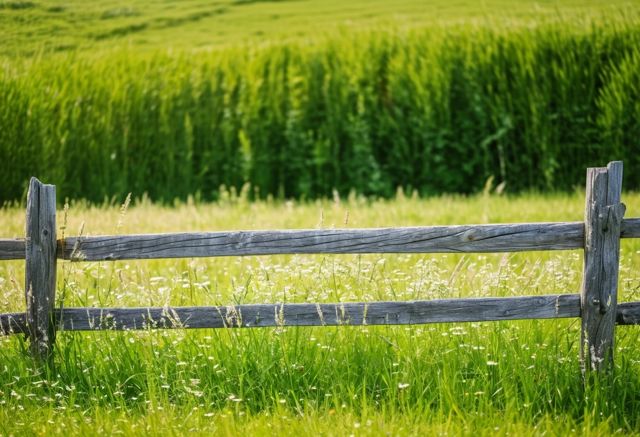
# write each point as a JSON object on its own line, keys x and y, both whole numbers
{"x": 598, "y": 297}
{"x": 40, "y": 268}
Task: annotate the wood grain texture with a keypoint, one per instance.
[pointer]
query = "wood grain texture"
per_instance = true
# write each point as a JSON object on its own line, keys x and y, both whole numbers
{"x": 628, "y": 313}
{"x": 12, "y": 248}
{"x": 435, "y": 239}
{"x": 603, "y": 217}
{"x": 40, "y": 268}
{"x": 329, "y": 314}
{"x": 13, "y": 323}
{"x": 630, "y": 228}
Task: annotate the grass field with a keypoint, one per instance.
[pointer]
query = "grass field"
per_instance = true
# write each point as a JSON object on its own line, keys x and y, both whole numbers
{"x": 32, "y": 26}
{"x": 216, "y": 108}
{"x": 507, "y": 378}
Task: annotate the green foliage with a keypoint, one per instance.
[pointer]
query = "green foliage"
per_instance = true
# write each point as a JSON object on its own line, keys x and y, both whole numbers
{"x": 437, "y": 110}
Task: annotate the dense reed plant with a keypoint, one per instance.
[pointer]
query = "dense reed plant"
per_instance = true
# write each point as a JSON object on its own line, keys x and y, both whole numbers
{"x": 437, "y": 109}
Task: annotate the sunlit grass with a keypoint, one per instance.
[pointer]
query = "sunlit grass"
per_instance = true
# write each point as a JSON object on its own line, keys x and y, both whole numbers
{"x": 301, "y": 98}
{"x": 478, "y": 378}
{"x": 31, "y": 26}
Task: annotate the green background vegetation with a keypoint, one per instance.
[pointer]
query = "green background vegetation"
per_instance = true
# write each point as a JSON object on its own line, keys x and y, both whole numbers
{"x": 529, "y": 96}
{"x": 52, "y": 25}
{"x": 296, "y": 99}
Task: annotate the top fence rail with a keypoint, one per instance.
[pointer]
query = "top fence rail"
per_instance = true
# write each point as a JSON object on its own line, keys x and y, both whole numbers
{"x": 516, "y": 237}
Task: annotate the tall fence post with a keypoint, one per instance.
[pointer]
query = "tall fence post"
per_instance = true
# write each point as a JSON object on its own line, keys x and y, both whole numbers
{"x": 598, "y": 297}
{"x": 40, "y": 269}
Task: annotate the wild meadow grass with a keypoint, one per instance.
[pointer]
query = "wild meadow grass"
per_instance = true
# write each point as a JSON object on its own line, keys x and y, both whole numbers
{"x": 49, "y": 25}
{"x": 152, "y": 98}
{"x": 516, "y": 378}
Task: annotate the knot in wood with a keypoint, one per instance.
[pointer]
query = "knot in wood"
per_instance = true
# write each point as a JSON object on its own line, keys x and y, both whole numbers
{"x": 469, "y": 235}
{"x": 612, "y": 216}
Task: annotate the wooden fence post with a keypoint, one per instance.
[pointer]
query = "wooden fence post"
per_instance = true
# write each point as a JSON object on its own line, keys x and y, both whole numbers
{"x": 40, "y": 269}
{"x": 598, "y": 297}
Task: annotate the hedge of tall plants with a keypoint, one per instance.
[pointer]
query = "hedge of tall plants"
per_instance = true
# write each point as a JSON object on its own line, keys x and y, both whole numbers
{"x": 435, "y": 110}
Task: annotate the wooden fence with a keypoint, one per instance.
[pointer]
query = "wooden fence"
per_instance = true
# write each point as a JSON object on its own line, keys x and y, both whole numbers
{"x": 596, "y": 303}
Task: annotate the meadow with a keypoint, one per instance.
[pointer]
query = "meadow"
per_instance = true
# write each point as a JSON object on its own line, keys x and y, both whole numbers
{"x": 241, "y": 114}
{"x": 529, "y": 99}
{"x": 33, "y": 26}
{"x": 502, "y": 378}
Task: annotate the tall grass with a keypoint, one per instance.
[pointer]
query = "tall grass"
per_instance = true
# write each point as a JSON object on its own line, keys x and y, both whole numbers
{"x": 518, "y": 378}
{"x": 439, "y": 109}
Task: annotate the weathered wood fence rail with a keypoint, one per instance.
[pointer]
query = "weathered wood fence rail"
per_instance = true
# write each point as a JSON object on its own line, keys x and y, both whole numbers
{"x": 596, "y": 303}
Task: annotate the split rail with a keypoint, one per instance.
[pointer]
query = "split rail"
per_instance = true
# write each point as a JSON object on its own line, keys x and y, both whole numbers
{"x": 596, "y": 303}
